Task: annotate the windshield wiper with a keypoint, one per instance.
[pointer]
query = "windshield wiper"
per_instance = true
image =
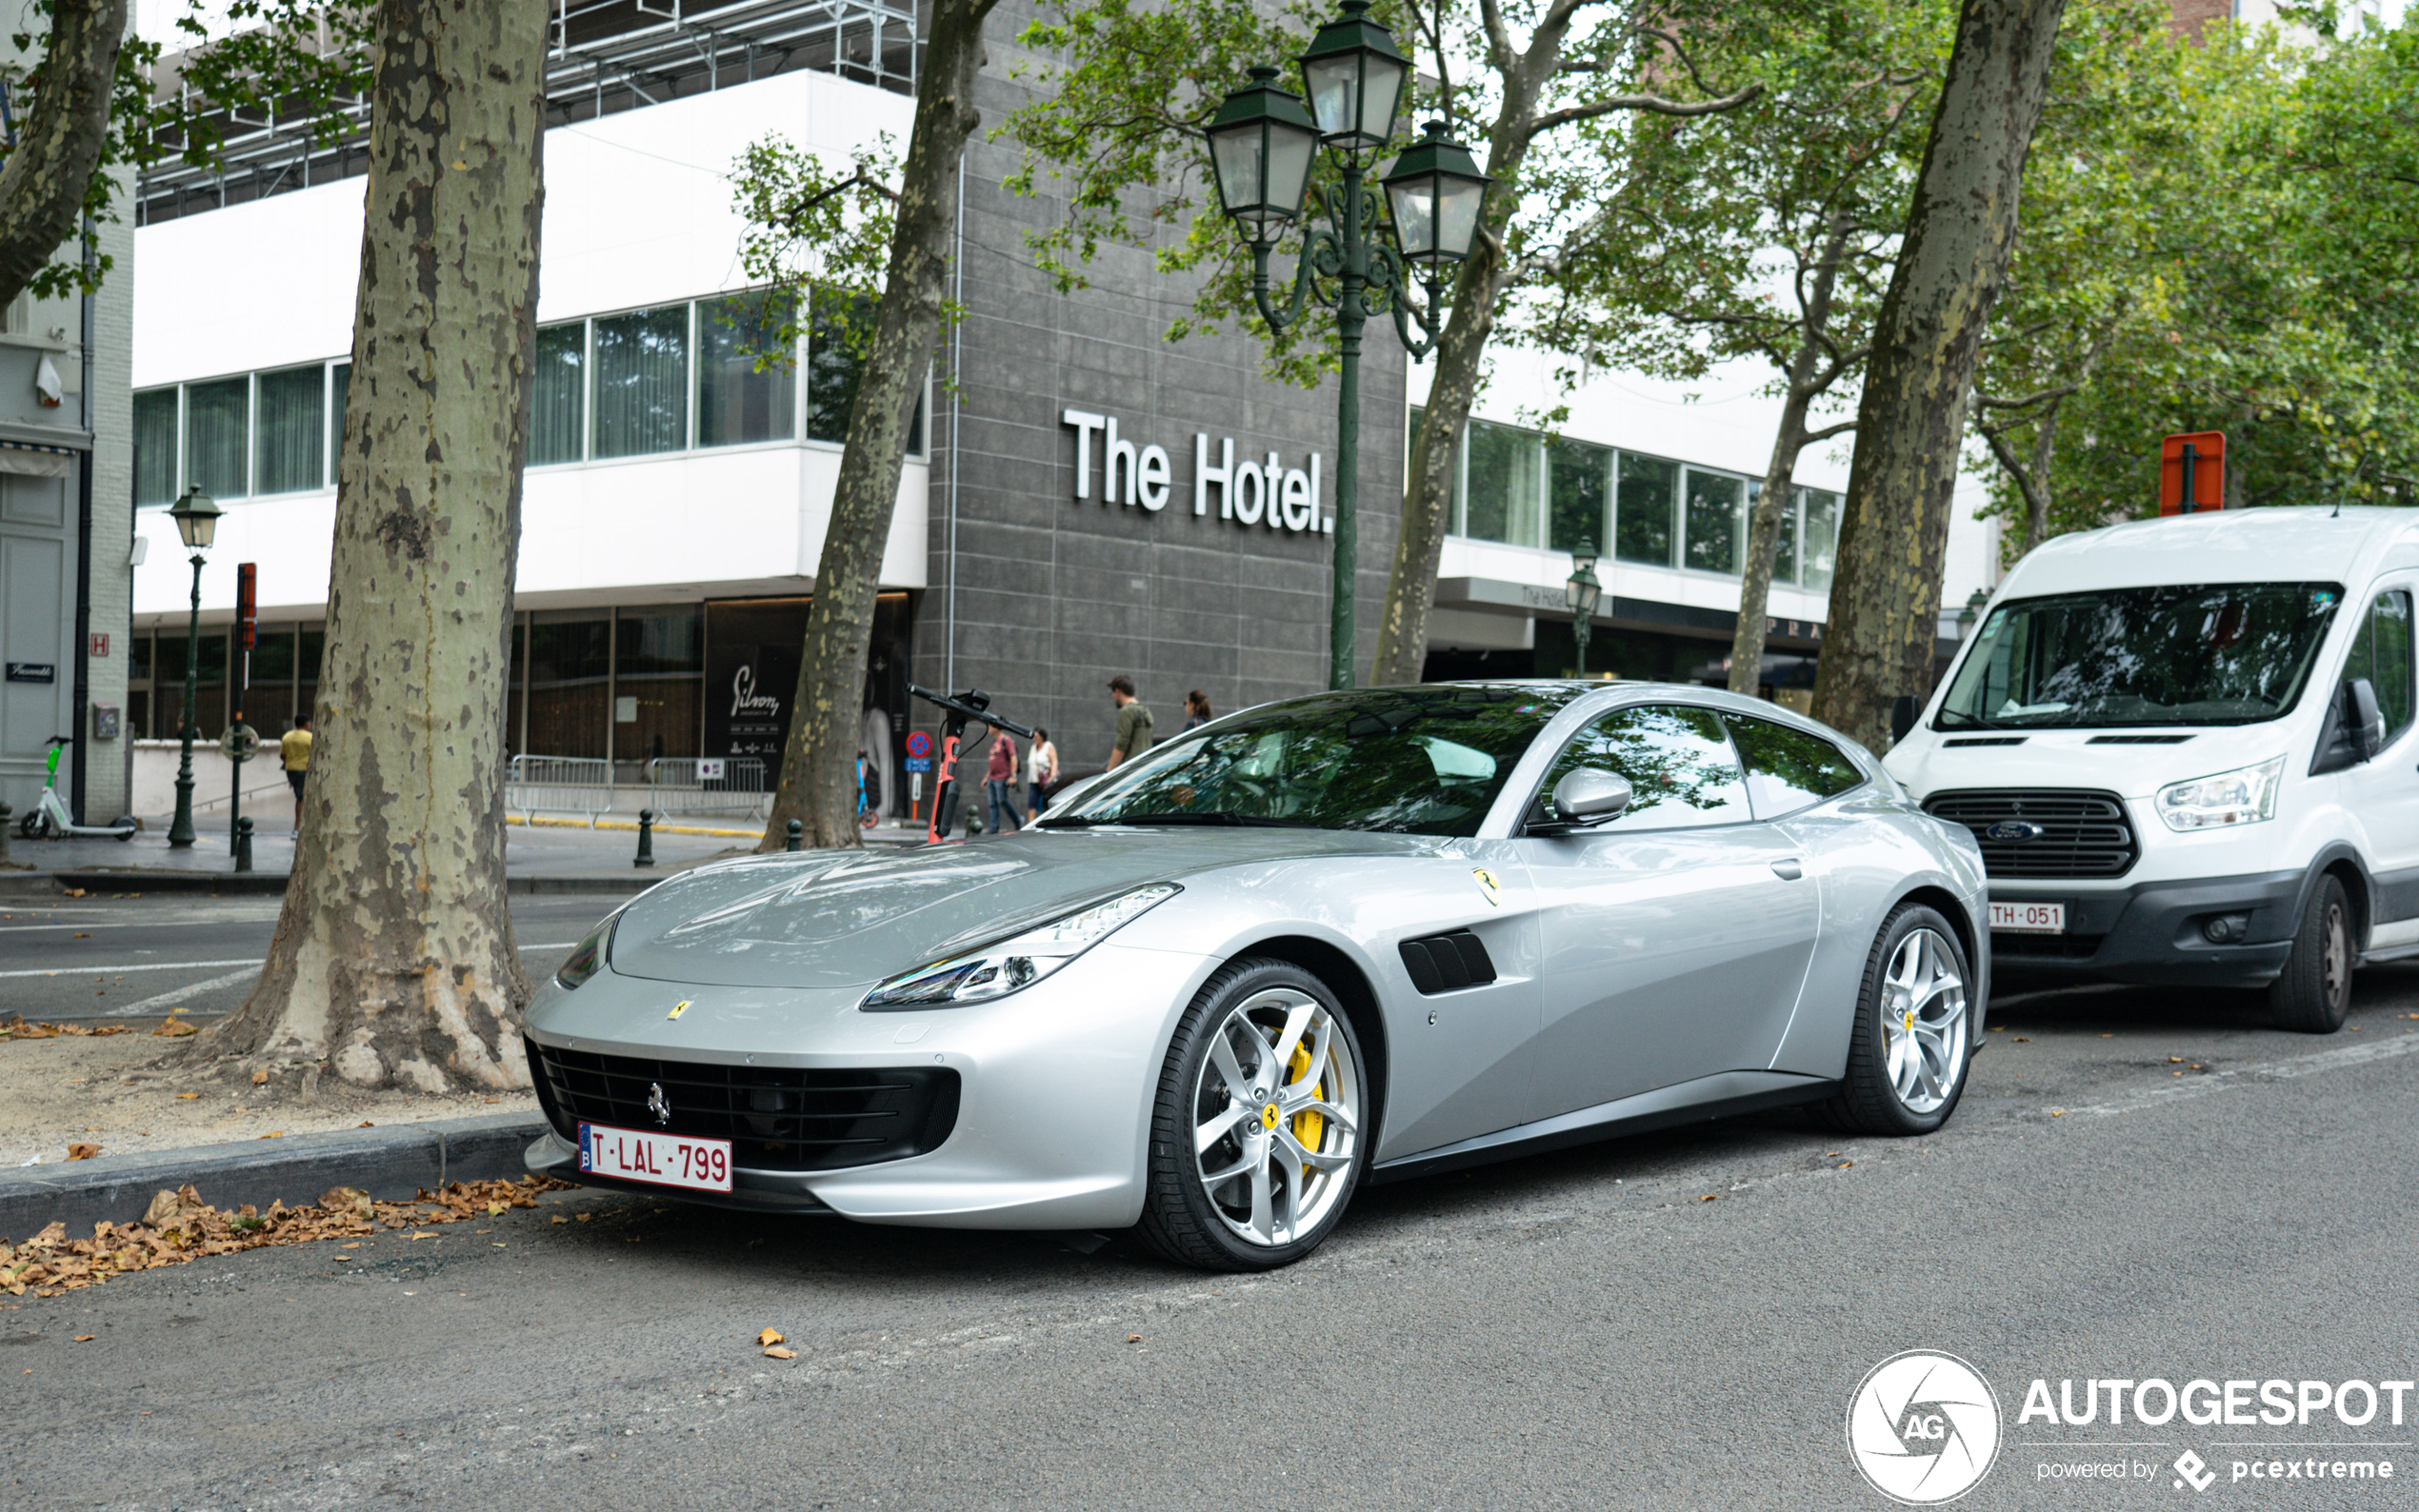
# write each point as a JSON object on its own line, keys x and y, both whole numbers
{"x": 1968, "y": 721}
{"x": 1202, "y": 816}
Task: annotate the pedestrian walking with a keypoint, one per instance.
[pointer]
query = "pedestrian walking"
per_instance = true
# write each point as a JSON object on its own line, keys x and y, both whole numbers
{"x": 1041, "y": 769}
{"x": 999, "y": 784}
{"x": 1197, "y": 709}
{"x": 1134, "y": 721}
{"x": 294, "y": 751}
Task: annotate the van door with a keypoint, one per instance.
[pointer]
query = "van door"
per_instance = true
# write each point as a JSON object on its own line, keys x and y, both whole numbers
{"x": 2383, "y": 792}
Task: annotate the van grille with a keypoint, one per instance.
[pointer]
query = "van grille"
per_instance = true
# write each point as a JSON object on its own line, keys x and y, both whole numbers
{"x": 776, "y": 1117}
{"x": 2082, "y": 834}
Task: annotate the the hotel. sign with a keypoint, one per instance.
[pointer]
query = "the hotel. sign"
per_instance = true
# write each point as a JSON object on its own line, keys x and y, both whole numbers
{"x": 1251, "y": 492}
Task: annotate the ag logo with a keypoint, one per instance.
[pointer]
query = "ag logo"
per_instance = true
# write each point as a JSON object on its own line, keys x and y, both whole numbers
{"x": 1923, "y": 1427}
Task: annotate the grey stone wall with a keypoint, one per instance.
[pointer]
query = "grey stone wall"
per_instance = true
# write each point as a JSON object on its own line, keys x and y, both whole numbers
{"x": 1053, "y": 595}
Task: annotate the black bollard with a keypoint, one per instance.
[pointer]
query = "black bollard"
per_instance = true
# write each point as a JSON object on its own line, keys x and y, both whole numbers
{"x": 244, "y": 843}
{"x": 646, "y": 838}
{"x": 797, "y": 836}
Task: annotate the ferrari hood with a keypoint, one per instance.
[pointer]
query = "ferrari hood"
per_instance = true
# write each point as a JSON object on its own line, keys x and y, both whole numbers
{"x": 832, "y": 920}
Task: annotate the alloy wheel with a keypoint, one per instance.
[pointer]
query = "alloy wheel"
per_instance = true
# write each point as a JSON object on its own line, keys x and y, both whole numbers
{"x": 2335, "y": 960}
{"x": 1276, "y": 1117}
{"x": 1923, "y": 1022}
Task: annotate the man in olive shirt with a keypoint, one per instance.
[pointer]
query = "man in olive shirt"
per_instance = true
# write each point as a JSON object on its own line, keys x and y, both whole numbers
{"x": 1133, "y": 720}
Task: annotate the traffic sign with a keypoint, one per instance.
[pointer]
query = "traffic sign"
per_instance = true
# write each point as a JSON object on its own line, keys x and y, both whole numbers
{"x": 919, "y": 764}
{"x": 919, "y": 745}
{"x": 2192, "y": 473}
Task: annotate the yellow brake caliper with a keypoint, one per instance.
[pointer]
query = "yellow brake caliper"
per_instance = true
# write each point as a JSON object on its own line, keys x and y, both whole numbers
{"x": 1308, "y": 1128}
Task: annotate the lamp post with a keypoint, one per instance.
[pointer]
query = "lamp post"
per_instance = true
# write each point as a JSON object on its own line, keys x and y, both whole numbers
{"x": 196, "y": 515}
{"x": 1580, "y": 594}
{"x": 1262, "y": 144}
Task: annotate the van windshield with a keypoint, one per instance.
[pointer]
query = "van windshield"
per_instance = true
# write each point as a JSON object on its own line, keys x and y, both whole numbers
{"x": 2233, "y": 653}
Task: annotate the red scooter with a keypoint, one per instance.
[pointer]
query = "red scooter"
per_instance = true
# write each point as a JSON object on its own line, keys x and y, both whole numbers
{"x": 958, "y": 710}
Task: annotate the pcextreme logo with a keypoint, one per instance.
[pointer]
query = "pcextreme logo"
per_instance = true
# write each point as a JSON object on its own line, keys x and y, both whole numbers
{"x": 1923, "y": 1427}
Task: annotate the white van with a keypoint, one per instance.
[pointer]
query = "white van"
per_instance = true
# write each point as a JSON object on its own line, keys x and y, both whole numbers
{"x": 2186, "y": 748}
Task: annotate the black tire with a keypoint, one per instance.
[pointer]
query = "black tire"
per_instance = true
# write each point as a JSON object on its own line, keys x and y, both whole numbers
{"x": 35, "y": 826}
{"x": 2313, "y": 992}
{"x": 1868, "y": 1100}
{"x": 1179, "y": 1220}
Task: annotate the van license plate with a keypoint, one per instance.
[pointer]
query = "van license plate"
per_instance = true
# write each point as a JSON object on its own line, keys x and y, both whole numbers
{"x": 2028, "y": 918}
{"x": 665, "y": 1160}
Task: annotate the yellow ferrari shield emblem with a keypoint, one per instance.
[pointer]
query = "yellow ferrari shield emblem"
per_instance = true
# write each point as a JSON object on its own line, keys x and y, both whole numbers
{"x": 1488, "y": 884}
{"x": 678, "y": 1008}
{"x": 1269, "y": 1117}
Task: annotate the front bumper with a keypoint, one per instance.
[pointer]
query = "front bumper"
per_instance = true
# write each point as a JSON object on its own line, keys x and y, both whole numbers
{"x": 750, "y": 1191}
{"x": 2153, "y": 932}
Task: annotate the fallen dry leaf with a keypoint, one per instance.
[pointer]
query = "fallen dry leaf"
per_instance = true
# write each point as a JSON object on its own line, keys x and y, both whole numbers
{"x": 2024, "y": 1039}
{"x": 274, "y": 1134}
{"x": 259, "y": 1077}
{"x": 769, "y": 1336}
{"x": 176, "y": 1028}
{"x": 189, "y": 1096}
{"x": 1845, "y": 1165}
{"x": 558, "y": 1219}
{"x": 84, "y": 1339}
{"x": 1710, "y": 1197}
{"x": 365, "y": 1123}
{"x": 2057, "y": 1112}
{"x": 779, "y": 1353}
{"x": 2175, "y": 1059}
{"x": 1134, "y": 1339}
{"x": 82, "y": 1151}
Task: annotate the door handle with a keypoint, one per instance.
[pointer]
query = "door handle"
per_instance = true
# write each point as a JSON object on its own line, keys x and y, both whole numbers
{"x": 1789, "y": 870}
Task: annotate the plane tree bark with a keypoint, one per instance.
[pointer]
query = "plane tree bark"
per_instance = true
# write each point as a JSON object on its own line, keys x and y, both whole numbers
{"x": 394, "y": 962}
{"x": 1880, "y": 642}
{"x": 48, "y": 175}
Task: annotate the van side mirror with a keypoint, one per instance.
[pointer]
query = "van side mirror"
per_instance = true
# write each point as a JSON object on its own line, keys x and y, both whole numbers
{"x": 1902, "y": 710}
{"x": 1592, "y": 796}
{"x": 2368, "y": 720}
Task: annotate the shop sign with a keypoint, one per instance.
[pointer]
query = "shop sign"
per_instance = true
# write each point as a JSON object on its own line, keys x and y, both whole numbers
{"x": 1250, "y": 491}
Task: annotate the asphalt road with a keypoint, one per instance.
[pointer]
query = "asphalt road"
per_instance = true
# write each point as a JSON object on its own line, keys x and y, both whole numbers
{"x": 2139, "y": 1184}
{"x": 94, "y": 958}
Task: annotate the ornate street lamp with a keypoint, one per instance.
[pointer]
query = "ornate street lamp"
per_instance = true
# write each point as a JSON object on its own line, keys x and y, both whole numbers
{"x": 196, "y": 515}
{"x": 1580, "y": 594}
{"x": 1261, "y": 145}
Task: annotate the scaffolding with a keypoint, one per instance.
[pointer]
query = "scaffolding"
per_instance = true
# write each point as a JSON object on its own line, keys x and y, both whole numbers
{"x": 602, "y": 57}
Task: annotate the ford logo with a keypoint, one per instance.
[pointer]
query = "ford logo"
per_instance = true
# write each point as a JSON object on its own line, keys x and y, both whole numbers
{"x": 2013, "y": 831}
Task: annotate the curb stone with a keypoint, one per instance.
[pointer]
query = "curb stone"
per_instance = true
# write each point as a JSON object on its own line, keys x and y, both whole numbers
{"x": 390, "y": 1163}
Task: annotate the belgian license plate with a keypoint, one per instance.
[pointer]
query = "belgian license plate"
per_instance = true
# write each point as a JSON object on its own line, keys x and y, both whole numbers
{"x": 2028, "y": 918}
{"x": 665, "y": 1159}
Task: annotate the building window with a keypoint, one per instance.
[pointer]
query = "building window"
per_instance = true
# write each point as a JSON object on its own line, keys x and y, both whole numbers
{"x": 155, "y": 447}
{"x": 571, "y": 668}
{"x": 216, "y": 416}
{"x": 558, "y": 417}
{"x": 293, "y": 429}
{"x": 736, "y": 402}
{"x": 1581, "y": 479}
{"x": 1715, "y": 504}
{"x": 1822, "y": 539}
{"x": 1643, "y": 529}
{"x": 832, "y": 366}
{"x": 339, "y": 386}
{"x": 1503, "y": 484}
{"x": 659, "y": 675}
{"x": 642, "y": 383}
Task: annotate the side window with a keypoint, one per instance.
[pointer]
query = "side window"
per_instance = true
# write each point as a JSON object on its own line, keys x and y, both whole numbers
{"x": 2382, "y": 654}
{"x": 1787, "y": 769}
{"x": 1678, "y": 762}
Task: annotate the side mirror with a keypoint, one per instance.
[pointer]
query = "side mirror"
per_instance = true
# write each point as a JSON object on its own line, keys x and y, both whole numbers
{"x": 1903, "y": 712}
{"x": 2368, "y": 720}
{"x": 1592, "y": 796}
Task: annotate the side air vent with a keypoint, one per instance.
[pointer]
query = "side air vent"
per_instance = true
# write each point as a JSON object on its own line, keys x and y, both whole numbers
{"x": 1446, "y": 963}
{"x": 1984, "y": 739}
{"x": 2137, "y": 740}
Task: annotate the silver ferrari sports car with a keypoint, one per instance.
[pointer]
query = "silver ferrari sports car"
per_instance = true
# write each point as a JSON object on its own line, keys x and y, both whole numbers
{"x": 1345, "y": 938}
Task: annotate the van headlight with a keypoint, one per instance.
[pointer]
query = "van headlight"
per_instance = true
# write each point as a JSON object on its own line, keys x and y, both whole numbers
{"x": 1018, "y": 961}
{"x": 2245, "y": 796}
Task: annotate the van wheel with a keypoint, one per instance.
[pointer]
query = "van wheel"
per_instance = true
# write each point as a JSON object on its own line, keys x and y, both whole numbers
{"x": 2313, "y": 992}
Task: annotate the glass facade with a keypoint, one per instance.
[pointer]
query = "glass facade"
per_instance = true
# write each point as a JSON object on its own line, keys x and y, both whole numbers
{"x": 217, "y": 415}
{"x": 290, "y": 434}
{"x": 642, "y": 382}
{"x": 738, "y": 401}
{"x": 558, "y": 400}
{"x": 155, "y": 448}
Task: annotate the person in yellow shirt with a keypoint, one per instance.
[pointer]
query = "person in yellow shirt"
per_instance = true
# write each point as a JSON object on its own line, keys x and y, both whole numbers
{"x": 295, "y": 749}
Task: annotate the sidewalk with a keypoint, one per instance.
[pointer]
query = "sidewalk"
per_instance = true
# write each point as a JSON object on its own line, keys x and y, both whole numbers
{"x": 551, "y": 855}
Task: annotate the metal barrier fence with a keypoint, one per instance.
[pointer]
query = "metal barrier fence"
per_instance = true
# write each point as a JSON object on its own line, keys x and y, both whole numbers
{"x": 584, "y": 785}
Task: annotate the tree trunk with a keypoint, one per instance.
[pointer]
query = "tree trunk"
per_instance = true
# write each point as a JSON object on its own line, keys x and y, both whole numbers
{"x": 59, "y": 144}
{"x": 1763, "y": 539}
{"x": 394, "y": 961}
{"x": 1886, "y": 593}
{"x": 818, "y": 765}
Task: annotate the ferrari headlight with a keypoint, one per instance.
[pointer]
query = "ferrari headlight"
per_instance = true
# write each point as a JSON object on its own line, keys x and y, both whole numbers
{"x": 2245, "y": 796}
{"x": 588, "y": 957}
{"x": 997, "y": 970}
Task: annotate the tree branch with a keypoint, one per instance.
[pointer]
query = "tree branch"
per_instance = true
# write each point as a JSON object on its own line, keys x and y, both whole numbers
{"x": 1650, "y": 103}
{"x": 43, "y": 187}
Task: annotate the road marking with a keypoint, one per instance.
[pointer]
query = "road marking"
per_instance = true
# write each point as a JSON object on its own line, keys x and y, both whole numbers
{"x": 180, "y": 994}
{"x": 80, "y": 970}
{"x": 2285, "y": 1070}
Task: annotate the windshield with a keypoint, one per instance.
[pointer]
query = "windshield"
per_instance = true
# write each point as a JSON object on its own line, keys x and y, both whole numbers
{"x": 1421, "y": 761}
{"x": 2227, "y": 654}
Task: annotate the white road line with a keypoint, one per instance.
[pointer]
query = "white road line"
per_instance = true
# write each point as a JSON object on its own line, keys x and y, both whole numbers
{"x": 180, "y": 994}
{"x": 195, "y": 965}
{"x": 2385, "y": 1047}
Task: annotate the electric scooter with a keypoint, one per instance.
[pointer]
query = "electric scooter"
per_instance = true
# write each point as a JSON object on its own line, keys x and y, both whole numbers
{"x": 50, "y": 815}
{"x": 958, "y": 711}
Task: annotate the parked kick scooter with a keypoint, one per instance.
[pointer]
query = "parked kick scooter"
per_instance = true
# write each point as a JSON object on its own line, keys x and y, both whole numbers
{"x": 958, "y": 711}
{"x": 51, "y": 817}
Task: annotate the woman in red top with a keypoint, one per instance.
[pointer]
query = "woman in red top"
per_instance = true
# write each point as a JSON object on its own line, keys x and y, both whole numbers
{"x": 999, "y": 784}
